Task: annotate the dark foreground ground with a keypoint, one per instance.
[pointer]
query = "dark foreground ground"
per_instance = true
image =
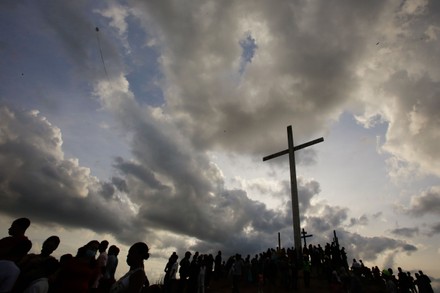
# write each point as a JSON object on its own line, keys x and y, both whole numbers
{"x": 317, "y": 285}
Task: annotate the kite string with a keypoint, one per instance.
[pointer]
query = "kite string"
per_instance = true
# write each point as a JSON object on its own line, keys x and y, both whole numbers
{"x": 100, "y": 52}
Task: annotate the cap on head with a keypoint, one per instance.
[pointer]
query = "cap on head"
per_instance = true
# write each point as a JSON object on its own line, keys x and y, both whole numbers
{"x": 50, "y": 245}
{"x": 19, "y": 226}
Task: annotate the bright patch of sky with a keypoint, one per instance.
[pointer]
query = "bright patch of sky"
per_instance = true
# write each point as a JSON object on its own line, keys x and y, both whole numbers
{"x": 249, "y": 47}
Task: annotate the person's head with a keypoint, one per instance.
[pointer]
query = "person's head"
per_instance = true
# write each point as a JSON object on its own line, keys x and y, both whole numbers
{"x": 19, "y": 226}
{"x": 89, "y": 250}
{"x": 50, "y": 245}
{"x": 137, "y": 253}
{"x": 175, "y": 257}
{"x": 113, "y": 250}
{"x": 187, "y": 254}
{"x": 65, "y": 258}
{"x": 103, "y": 246}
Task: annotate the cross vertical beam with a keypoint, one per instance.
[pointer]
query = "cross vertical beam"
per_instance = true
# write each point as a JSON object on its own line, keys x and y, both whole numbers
{"x": 305, "y": 236}
{"x": 293, "y": 186}
{"x": 279, "y": 241}
{"x": 294, "y": 193}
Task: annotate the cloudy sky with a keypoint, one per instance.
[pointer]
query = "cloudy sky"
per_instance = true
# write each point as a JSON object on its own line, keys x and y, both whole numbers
{"x": 153, "y": 126}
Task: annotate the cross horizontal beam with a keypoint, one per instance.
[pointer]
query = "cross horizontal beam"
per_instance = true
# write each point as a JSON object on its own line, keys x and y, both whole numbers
{"x": 298, "y": 147}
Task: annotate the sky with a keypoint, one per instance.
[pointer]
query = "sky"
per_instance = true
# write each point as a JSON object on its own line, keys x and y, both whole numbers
{"x": 148, "y": 121}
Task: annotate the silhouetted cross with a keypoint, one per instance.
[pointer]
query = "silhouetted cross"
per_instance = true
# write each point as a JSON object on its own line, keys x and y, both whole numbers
{"x": 293, "y": 184}
{"x": 304, "y": 236}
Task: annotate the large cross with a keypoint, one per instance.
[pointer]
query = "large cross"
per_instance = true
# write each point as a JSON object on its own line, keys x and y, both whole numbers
{"x": 293, "y": 184}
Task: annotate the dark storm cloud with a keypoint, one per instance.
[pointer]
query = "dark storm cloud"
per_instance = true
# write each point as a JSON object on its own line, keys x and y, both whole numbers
{"x": 120, "y": 184}
{"x": 428, "y": 202}
{"x": 435, "y": 229}
{"x": 321, "y": 60}
{"x": 362, "y": 220}
{"x": 192, "y": 200}
{"x": 311, "y": 68}
{"x": 214, "y": 220}
{"x": 368, "y": 248}
{"x": 37, "y": 181}
{"x": 307, "y": 189}
{"x": 407, "y": 232}
{"x": 137, "y": 171}
{"x": 187, "y": 201}
{"x": 107, "y": 190}
{"x": 327, "y": 219}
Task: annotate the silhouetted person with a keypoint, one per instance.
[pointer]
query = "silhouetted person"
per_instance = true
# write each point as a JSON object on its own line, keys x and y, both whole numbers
{"x": 201, "y": 277}
{"x": 306, "y": 271}
{"x": 16, "y": 231}
{"x": 135, "y": 279}
{"x": 9, "y": 271}
{"x": 209, "y": 260}
{"x": 402, "y": 281}
{"x": 76, "y": 274}
{"x": 184, "y": 271}
{"x": 356, "y": 267}
{"x": 193, "y": 274}
{"x": 112, "y": 263}
{"x": 237, "y": 271}
{"x": 411, "y": 283}
{"x": 101, "y": 262}
{"x": 170, "y": 273}
{"x": 36, "y": 268}
{"x": 218, "y": 265}
{"x": 423, "y": 283}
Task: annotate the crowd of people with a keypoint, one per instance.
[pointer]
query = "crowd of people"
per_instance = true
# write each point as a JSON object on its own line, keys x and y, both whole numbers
{"x": 93, "y": 269}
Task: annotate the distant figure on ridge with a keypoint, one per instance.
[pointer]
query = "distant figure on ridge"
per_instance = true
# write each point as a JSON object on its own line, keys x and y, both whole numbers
{"x": 218, "y": 265}
{"x": 184, "y": 271}
{"x": 237, "y": 270}
{"x": 170, "y": 273}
